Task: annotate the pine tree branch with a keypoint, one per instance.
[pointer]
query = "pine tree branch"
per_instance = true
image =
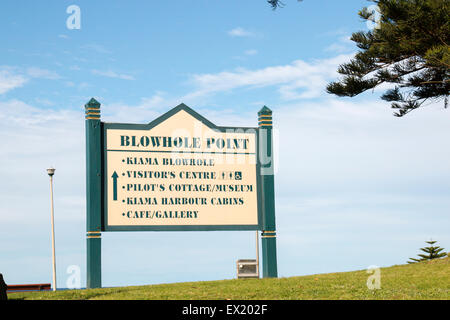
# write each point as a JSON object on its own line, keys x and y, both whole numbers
{"x": 432, "y": 82}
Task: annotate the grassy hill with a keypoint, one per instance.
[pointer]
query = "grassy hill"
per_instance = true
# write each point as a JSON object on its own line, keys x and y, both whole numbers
{"x": 425, "y": 280}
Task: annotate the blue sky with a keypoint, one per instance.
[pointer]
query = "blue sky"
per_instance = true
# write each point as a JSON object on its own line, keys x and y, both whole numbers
{"x": 355, "y": 186}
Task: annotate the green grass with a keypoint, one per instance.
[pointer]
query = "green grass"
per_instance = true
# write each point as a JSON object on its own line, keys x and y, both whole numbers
{"x": 425, "y": 280}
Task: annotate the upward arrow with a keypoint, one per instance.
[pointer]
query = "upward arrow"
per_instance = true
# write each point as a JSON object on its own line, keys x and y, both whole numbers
{"x": 115, "y": 176}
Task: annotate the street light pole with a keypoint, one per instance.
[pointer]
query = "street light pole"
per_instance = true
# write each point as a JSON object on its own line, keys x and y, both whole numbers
{"x": 51, "y": 172}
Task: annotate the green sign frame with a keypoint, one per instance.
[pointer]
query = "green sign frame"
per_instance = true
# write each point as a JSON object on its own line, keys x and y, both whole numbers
{"x": 97, "y": 184}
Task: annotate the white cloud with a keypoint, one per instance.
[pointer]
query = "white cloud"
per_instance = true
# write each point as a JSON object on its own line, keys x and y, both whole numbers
{"x": 10, "y": 81}
{"x": 35, "y": 72}
{"x": 240, "y": 32}
{"x": 343, "y": 45}
{"x": 146, "y": 110}
{"x": 44, "y": 102}
{"x": 251, "y": 52}
{"x": 78, "y": 86}
{"x": 112, "y": 74}
{"x": 337, "y": 143}
{"x": 308, "y": 77}
{"x": 14, "y": 77}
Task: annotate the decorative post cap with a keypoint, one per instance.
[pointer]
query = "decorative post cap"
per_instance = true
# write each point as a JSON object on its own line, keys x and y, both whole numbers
{"x": 265, "y": 118}
{"x": 92, "y": 104}
{"x": 265, "y": 111}
{"x": 92, "y": 109}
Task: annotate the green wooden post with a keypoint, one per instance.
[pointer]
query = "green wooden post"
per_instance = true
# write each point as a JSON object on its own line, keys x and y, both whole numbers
{"x": 93, "y": 194}
{"x": 266, "y": 158}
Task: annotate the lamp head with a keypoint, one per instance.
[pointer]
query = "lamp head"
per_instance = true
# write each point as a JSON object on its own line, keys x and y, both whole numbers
{"x": 51, "y": 171}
